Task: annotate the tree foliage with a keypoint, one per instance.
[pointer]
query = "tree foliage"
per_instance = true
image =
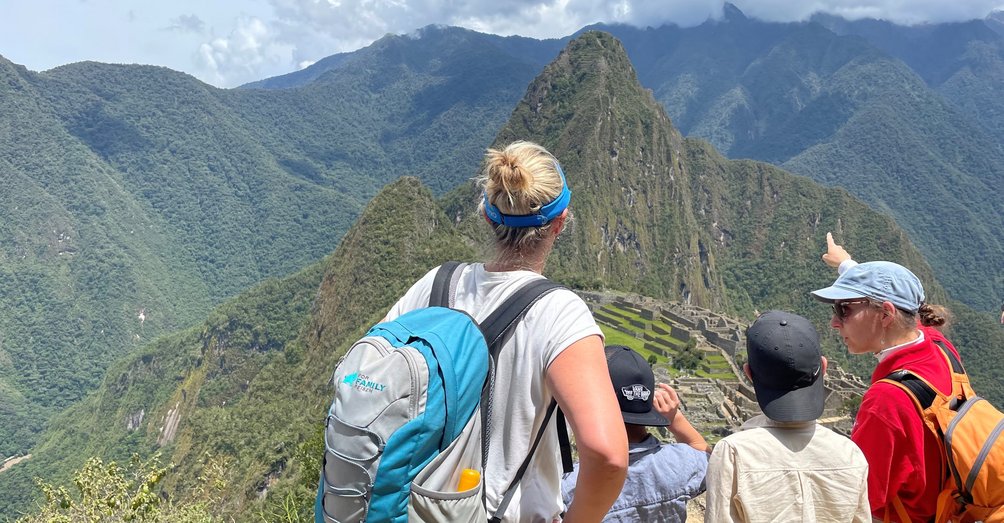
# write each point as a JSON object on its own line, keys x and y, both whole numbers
{"x": 109, "y": 493}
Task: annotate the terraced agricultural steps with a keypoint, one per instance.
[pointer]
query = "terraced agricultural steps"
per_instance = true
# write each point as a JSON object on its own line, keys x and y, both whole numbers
{"x": 696, "y": 351}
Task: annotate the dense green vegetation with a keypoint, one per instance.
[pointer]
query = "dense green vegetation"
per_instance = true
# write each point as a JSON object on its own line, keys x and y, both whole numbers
{"x": 922, "y": 145}
{"x": 80, "y": 259}
{"x": 108, "y": 492}
{"x": 962, "y": 61}
{"x": 134, "y": 190}
{"x": 249, "y": 384}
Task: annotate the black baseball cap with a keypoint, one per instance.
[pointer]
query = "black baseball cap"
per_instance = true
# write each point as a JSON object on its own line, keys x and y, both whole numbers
{"x": 634, "y": 384}
{"x": 786, "y": 363}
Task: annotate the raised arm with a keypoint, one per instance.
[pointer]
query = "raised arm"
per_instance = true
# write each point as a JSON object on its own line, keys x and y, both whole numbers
{"x": 667, "y": 403}
{"x": 581, "y": 384}
{"x": 836, "y": 256}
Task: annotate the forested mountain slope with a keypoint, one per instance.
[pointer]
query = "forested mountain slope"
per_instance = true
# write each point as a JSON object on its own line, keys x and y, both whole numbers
{"x": 963, "y": 61}
{"x": 844, "y": 112}
{"x": 81, "y": 260}
{"x": 137, "y": 197}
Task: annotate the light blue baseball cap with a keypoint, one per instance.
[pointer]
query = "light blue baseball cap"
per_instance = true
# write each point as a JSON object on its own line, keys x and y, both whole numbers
{"x": 880, "y": 281}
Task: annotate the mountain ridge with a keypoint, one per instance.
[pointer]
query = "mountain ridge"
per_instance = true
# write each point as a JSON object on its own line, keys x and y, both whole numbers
{"x": 847, "y": 114}
{"x": 213, "y": 189}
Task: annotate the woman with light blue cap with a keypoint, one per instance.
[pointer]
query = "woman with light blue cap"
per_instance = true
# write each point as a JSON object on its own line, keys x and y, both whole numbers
{"x": 880, "y": 308}
{"x": 556, "y": 351}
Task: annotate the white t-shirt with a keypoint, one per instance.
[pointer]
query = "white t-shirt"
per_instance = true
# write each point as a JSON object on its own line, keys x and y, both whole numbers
{"x": 521, "y": 395}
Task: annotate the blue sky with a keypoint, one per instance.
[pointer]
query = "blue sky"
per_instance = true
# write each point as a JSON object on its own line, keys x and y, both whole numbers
{"x": 227, "y": 43}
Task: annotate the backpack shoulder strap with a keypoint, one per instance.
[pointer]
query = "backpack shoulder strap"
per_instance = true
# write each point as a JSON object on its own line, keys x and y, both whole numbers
{"x": 500, "y": 324}
{"x": 444, "y": 285}
{"x": 922, "y": 393}
{"x": 497, "y": 329}
{"x": 511, "y": 489}
{"x": 953, "y": 362}
{"x": 564, "y": 443}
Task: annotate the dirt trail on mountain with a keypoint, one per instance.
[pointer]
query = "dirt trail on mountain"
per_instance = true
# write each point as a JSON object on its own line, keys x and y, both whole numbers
{"x": 10, "y": 462}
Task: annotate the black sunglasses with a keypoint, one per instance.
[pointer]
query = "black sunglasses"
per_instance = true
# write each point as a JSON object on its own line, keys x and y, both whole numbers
{"x": 841, "y": 309}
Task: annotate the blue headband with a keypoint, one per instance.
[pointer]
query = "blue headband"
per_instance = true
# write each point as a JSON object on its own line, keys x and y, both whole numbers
{"x": 546, "y": 213}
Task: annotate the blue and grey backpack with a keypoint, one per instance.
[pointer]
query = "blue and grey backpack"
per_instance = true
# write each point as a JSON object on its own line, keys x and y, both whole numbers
{"x": 411, "y": 410}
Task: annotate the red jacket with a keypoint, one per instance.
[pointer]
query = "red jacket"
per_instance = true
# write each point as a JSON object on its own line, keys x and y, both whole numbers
{"x": 904, "y": 457}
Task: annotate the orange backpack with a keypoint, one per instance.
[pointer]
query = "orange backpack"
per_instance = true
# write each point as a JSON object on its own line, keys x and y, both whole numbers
{"x": 969, "y": 429}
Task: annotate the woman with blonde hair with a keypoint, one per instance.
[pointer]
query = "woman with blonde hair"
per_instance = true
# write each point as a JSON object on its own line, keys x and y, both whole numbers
{"x": 880, "y": 308}
{"x": 555, "y": 352}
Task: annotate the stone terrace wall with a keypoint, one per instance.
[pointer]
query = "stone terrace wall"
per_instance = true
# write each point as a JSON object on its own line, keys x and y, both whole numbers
{"x": 712, "y": 403}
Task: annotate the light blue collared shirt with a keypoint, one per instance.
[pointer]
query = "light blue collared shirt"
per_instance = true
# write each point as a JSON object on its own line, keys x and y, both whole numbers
{"x": 660, "y": 481}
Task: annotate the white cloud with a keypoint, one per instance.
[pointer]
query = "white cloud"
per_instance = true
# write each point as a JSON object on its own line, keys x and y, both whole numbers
{"x": 299, "y": 32}
{"x": 241, "y": 56}
{"x": 906, "y": 12}
{"x": 187, "y": 24}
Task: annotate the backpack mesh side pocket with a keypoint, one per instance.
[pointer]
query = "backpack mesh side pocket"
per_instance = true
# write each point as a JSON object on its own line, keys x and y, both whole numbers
{"x": 434, "y": 495}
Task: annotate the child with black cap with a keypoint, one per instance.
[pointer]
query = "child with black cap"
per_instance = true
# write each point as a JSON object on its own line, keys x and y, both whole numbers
{"x": 661, "y": 478}
{"x": 783, "y": 465}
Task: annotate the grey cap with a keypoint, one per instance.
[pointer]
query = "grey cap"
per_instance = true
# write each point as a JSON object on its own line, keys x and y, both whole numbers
{"x": 787, "y": 367}
{"x": 878, "y": 280}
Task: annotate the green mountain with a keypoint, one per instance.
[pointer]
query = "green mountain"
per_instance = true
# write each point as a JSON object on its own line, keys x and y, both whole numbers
{"x": 248, "y": 386}
{"x": 654, "y": 213}
{"x": 80, "y": 260}
{"x": 963, "y": 61}
{"x": 422, "y": 105}
{"x": 136, "y": 189}
{"x": 443, "y": 39}
{"x": 844, "y": 112}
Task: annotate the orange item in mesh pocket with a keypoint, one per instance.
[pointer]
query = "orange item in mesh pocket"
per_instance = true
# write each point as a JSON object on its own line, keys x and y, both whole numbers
{"x": 469, "y": 479}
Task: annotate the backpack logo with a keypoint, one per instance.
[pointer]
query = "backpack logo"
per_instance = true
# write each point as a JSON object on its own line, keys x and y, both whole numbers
{"x": 636, "y": 391}
{"x": 363, "y": 383}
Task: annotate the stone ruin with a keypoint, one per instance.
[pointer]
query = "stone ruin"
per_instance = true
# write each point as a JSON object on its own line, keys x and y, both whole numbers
{"x": 716, "y": 407}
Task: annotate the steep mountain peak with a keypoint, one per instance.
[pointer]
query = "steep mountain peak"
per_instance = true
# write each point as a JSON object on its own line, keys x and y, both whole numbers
{"x": 592, "y": 73}
{"x": 995, "y": 21}
{"x": 400, "y": 235}
{"x": 731, "y": 13}
{"x": 622, "y": 158}
{"x": 588, "y": 93}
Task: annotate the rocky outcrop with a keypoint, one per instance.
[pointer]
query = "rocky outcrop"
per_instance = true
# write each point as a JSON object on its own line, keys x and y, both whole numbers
{"x": 134, "y": 420}
{"x": 169, "y": 427}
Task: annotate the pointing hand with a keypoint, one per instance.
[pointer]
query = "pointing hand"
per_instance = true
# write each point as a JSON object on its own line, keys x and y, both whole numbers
{"x": 834, "y": 252}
